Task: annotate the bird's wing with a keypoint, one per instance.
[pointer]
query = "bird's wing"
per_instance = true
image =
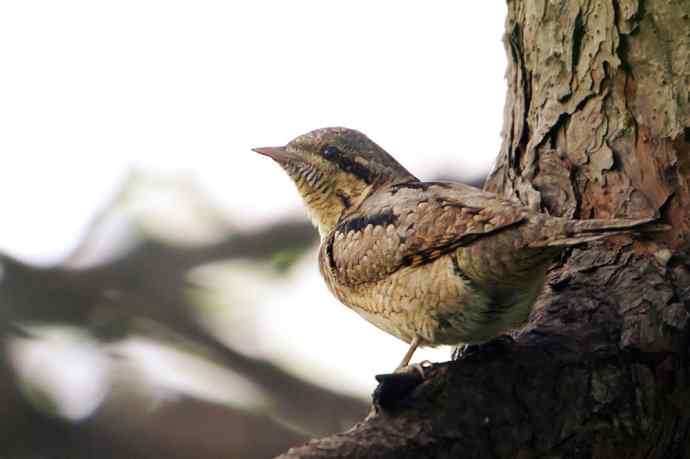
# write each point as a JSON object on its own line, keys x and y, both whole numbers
{"x": 412, "y": 224}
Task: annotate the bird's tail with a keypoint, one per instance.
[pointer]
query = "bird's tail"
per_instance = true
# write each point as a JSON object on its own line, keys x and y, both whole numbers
{"x": 573, "y": 232}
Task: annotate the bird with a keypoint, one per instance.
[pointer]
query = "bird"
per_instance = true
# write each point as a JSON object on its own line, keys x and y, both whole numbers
{"x": 429, "y": 262}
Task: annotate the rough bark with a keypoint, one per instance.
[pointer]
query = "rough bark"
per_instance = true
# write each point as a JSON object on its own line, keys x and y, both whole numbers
{"x": 597, "y": 124}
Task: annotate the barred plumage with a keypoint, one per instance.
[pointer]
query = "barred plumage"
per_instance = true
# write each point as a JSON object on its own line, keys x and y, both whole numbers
{"x": 428, "y": 262}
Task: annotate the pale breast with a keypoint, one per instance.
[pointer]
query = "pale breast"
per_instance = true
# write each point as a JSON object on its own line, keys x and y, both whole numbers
{"x": 436, "y": 302}
{"x": 428, "y": 301}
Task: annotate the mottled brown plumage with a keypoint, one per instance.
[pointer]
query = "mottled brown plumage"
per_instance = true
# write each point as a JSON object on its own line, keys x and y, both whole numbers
{"x": 428, "y": 262}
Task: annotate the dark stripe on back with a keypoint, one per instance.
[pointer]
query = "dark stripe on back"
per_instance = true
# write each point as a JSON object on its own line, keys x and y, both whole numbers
{"x": 353, "y": 167}
{"x": 359, "y": 223}
{"x": 417, "y": 185}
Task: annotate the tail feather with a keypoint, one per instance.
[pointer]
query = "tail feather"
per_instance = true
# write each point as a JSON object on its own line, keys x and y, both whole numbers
{"x": 574, "y": 232}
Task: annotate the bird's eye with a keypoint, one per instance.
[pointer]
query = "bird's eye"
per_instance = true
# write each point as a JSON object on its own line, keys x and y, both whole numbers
{"x": 330, "y": 152}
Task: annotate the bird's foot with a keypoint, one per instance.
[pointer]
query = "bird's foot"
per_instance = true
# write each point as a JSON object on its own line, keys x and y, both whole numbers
{"x": 498, "y": 344}
{"x": 419, "y": 368}
{"x": 394, "y": 387}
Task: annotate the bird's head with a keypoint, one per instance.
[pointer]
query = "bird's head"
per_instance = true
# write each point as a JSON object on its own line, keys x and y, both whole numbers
{"x": 334, "y": 170}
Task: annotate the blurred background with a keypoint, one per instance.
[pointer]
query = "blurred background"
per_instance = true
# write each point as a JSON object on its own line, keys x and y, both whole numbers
{"x": 159, "y": 292}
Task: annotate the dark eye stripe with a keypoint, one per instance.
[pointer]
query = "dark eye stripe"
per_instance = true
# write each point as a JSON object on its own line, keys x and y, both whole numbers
{"x": 337, "y": 157}
{"x": 354, "y": 168}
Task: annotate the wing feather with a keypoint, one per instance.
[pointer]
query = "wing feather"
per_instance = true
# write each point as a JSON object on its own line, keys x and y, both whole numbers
{"x": 405, "y": 226}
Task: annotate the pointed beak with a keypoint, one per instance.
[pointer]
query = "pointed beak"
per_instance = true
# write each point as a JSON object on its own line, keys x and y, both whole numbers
{"x": 277, "y": 153}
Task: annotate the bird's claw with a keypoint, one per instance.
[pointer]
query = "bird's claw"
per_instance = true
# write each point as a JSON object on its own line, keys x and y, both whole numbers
{"x": 419, "y": 368}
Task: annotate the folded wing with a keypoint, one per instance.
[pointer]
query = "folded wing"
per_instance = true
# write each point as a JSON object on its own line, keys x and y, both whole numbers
{"x": 412, "y": 224}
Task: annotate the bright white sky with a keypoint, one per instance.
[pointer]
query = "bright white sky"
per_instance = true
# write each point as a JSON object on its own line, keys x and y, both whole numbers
{"x": 90, "y": 88}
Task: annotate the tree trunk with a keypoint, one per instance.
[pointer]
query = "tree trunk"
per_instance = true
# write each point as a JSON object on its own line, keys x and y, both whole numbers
{"x": 597, "y": 125}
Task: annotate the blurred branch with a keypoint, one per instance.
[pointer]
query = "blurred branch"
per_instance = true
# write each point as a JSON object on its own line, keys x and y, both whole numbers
{"x": 150, "y": 282}
{"x": 201, "y": 430}
{"x": 95, "y": 226}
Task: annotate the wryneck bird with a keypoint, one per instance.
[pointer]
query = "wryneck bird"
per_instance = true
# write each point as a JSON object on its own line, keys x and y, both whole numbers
{"x": 428, "y": 262}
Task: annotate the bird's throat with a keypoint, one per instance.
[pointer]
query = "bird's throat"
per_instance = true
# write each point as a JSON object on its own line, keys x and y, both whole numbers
{"x": 325, "y": 199}
{"x": 323, "y": 212}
